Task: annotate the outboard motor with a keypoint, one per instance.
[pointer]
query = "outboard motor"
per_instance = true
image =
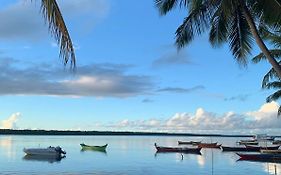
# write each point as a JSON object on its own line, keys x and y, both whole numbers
{"x": 59, "y": 150}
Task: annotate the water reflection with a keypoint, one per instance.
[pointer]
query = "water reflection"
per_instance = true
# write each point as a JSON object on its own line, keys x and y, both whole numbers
{"x": 272, "y": 168}
{"x": 43, "y": 158}
{"x": 6, "y": 143}
{"x": 92, "y": 150}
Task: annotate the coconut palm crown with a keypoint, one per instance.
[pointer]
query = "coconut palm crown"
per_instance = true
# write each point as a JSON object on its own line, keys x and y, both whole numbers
{"x": 232, "y": 21}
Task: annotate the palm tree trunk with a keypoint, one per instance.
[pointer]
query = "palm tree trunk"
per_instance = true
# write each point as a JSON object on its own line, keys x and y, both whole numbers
{"x": 258, "y": 39}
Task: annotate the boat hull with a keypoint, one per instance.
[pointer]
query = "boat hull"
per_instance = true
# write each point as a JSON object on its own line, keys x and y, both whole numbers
{"x": 162, "y": 149}
{"x": 209, "y": 145}
{"x": 50, "y": 151}
{"x": 95, "y": 148}
{"x": 257, "y": 157}
{"x": 240, "y": 149}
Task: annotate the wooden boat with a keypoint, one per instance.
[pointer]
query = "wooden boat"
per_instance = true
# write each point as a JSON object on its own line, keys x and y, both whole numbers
{"x": 96, "y": 148}
{"x": 189, "y": 142}
{"x": 278, "y": 151}
{"x": 258, "y": 148}
{"x": 259, "y": 156}
{"x": 49, "y": 151}
{"x": 209, "y": 145}
{"x": 240, "y": 149}
{"x": 177, "y": 149}
{"x": 248, "y": 142}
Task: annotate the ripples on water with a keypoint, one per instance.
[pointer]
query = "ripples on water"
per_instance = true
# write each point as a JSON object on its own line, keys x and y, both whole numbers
{"x": 125, "y": 155}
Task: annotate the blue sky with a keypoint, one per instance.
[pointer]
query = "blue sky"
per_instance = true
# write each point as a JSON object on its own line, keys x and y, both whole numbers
{"x": 129, "y": 74}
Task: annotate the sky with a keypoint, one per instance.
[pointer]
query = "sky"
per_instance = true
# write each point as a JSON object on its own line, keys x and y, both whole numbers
{"x": 129, "y": 77}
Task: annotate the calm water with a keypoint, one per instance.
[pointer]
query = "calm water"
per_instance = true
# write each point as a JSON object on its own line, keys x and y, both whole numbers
{"x": 126, "y": 155}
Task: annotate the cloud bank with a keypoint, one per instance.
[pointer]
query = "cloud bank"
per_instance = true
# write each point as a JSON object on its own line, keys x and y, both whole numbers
{"x": 11, "y": 122}
{"x": 265, "y": 119}
{"x": 96, "y": 80}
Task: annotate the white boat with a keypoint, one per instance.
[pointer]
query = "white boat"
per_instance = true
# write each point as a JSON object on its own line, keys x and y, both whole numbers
{"x": 56, "y": 151}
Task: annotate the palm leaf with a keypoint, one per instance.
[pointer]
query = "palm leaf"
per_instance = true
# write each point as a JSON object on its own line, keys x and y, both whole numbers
{"x": 58, "y": 29}
{"x": 275, "y": 53}
{"x": 273, "y": 97}
{"x": 195, "y": 23}
{"x": 240, "y": 37}
{"x": 165, "y": 6}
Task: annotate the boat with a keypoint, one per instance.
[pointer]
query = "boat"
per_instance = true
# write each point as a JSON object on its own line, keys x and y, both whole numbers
{"x": 256, "y": 157}
{"x": 189, "y": 142}
{"x": 177, "y": 149}
{"x": 278, "y": 151}
{"x": 264, "y": 137}
{"x": 240, "y": 149}
{"x": 49, "y": 151}
{"x": 276, "y": 142}
{"x": 248, "y": 142}
{"x": 209, "y": 145}
{"x": 96, "y": 148}
{"x": 258, "y": 148}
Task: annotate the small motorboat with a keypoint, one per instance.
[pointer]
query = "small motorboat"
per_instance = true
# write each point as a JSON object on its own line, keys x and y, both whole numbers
{"x": 49, "y": 151}
{"x": 209, "y": 145}
{"x": 177, "y": 149}
{"x": 189, "y": 142}
{"x": 95, "y": 148}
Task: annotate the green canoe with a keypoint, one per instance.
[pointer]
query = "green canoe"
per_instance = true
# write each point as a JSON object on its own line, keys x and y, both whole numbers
{"x": 95, "y": 148}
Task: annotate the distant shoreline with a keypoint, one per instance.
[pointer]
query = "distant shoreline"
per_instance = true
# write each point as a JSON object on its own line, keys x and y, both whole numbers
{"x": 110, "y": 133}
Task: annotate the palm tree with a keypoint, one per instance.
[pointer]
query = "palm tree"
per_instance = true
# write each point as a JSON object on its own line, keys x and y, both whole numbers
{"x": 271, "y": 79}
{"x": 58, "y": 29}
{"x": 232, "y": 21}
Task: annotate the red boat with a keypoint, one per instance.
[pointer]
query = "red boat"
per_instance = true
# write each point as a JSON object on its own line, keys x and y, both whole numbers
{"x": 209, "y": 145}
{"x": 257, "y": 157}
{"x": 258, "y": 148}
{"x": 177, "y": 149}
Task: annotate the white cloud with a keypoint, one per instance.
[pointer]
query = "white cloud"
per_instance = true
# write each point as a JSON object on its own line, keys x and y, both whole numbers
{"x": 11, "y": 122}
{"x": 263, "y": 120}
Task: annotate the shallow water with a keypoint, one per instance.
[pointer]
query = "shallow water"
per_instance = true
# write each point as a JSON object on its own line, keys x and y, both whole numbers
{"x": 126, "y": 155}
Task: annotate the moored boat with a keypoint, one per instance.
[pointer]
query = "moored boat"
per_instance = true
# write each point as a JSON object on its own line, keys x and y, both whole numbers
{"x": 96, "y": 148}
{"x": 189, "y": 142}
{"x": 240, "y": 149}
{"x": 248, "y": 142}
{"x": 258, "y": 148}
{"x": 49, "y": 151}
{"x": 177, "y": 149}
{"x": 257, "y": 157}
{"x": 209, "y": 145}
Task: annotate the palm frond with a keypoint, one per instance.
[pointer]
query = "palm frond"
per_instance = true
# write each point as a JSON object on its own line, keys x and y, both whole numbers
{"x": 275, "y": 53}
{"x": 219, "y": 25}
{"x": 271, "y": 74}
{"x": 195, "y": 23}
{"x": 273, "y": 97}
{"x": 58, "y": 29}
{"x": 273, "y": 85}
{"x": 240, "y": 37}
{"x": 164, "y": 6}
